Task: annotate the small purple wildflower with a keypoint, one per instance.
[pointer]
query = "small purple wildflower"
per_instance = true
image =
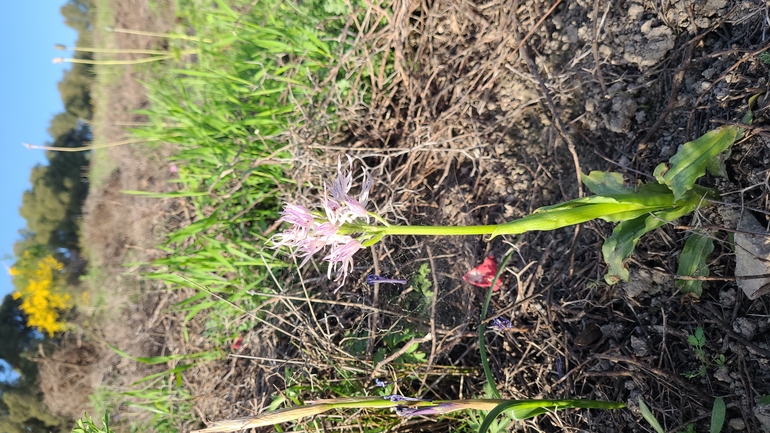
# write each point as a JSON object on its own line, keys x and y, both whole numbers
{"x": 381, "y": 383}
{"x": 501, "y": 324}
{"x": 396, "y": 398}
{"x": 373, "y": 279}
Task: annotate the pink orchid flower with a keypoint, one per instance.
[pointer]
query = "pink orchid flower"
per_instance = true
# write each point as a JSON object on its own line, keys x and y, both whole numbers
{"x": 310, "y": 232}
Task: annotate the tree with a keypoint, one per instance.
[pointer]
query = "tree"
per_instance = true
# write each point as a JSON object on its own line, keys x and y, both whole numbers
{"x": 62, "y": 123}
{"x": 22, "y": 411}
{"x": 18, "y": 338}
{"x": 53, "y": 205}
{"x": 77, "y": 15}
{"x": 74, "y": 89}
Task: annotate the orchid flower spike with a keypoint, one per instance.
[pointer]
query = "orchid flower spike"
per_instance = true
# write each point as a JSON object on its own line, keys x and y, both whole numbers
{"x": 335, "y": 226}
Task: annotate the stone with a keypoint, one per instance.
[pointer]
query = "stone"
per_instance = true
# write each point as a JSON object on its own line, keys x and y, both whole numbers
{"x": 762, "y": 412}
{"x": 737, "y": 424}
{"x": 752, "y": 256}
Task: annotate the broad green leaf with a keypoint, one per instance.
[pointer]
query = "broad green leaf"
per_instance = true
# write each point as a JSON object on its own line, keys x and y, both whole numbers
{"x": 604, "y": 182}
{"x": 716, "y": 167}
{"x": 649, "y": 417}
{"x": 690, "y": 162}
{"x": 612, "y": 208}
{"x": 717, "y": 415}
{"x": 620, "y": 245}
{"x": 765, "y": 399}
{"x": 692, "y": 263}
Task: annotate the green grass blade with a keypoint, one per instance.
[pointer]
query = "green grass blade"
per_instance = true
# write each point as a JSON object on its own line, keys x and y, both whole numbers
{"x": 175, "y": 370}
{"x": 692, "y": 263}
{"x": 204, "y": 356}
{"x": 178, "y": 194}
{"x": 649, "y": 417}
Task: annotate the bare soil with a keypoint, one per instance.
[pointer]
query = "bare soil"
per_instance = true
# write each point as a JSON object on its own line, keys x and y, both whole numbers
{"x": 492, "y": 111}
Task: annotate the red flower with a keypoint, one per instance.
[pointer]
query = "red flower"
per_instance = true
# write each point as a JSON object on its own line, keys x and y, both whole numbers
{"x": 238, "y": 343}
{"x": 483, "y": 274}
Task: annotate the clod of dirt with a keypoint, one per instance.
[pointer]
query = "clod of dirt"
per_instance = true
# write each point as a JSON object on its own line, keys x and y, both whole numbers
{"x": 619, "y": 118}
{"x": 723, "y": 375}
{"x": 644, "y": 282}
{"x": 613, "y": 330}
{"x": 649, "y": 47}
{"x": 762, "y": 412}
{"x": 752, "y": 256}
{"x": 727, "y": 298}
{"x": 639, "y": 346}
{"x": 677, "y": 13}
{"x": 737, "y": 424}
{"x": 745, "y": 327}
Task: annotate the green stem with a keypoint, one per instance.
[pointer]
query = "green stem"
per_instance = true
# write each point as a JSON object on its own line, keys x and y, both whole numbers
{"x": 159, "y": 35}
{"x": 111, "y": 50}
{"x": 483, "y": 327}
{"x": 436, "y": 230}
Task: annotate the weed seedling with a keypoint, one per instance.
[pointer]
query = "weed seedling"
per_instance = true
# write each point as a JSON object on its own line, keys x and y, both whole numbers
{"x": 697, "y": 342}
{"x": 422, "y": 284}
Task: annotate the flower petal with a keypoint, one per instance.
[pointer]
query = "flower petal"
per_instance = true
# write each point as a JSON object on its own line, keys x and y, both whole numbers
{"x": 483, "y": 274}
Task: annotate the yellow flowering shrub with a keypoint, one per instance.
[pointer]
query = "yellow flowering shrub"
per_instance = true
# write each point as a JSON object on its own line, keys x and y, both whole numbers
{"x": 42, "y": 299}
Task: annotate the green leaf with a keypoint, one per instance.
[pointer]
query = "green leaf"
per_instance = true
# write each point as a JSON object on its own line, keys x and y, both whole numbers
{"x": 620, "y": 245}
{"x": 765, "y": 399}
{"x": 748, "y": 118}
{"x": 699, "y": 336}
{"x": 716, "y": 167}
{"x": 612, "y": 208}
{"x": 523, "y": 409}
{"x": 204, "y": 356}
{"x": 649, "y": 417}
{"x": 692, "y": 263}
{"x": 717, "y": 415}
{"x": 693, "y": 341}
{"x": 690, "y": 162}
{"x": 604, "y": 182}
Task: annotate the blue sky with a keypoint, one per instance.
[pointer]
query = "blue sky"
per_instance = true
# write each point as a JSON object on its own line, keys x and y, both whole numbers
{"x": 28, "y": 84}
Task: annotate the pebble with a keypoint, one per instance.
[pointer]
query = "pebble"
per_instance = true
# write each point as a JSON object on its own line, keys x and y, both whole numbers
{"x": 737, "y": 424}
